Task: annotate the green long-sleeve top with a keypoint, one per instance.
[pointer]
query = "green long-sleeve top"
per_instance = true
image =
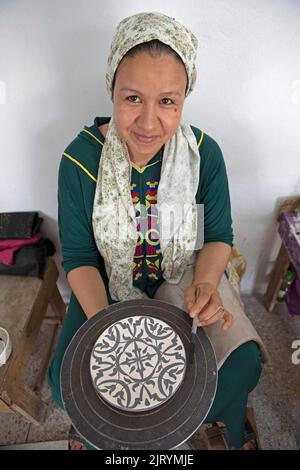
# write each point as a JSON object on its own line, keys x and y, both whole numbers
{"x": 76, "y": 190}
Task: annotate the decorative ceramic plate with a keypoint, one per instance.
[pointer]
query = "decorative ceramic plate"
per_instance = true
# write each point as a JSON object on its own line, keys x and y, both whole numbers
{"x": 138, "y": 363}
{"x": 165, "y": 424}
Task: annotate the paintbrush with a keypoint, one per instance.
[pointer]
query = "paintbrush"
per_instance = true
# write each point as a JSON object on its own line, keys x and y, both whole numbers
{"x": 194, "y": 332}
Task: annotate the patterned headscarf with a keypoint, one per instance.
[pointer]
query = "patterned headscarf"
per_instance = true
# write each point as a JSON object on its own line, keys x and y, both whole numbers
{"x": 114, "y": 222}
{"x": 145, "y": 27}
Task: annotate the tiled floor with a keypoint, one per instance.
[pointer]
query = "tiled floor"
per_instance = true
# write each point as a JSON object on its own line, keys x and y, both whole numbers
{"x": 276, "y": 399}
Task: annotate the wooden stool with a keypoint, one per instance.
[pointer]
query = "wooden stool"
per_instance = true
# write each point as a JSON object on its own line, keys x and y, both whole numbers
{"x": 218, "y": 438}
{"x": 23, "y": 305}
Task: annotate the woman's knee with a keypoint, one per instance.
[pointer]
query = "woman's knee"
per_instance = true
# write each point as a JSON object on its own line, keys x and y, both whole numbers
{"x": 53, "y": 380}
{"x": 254, "y": 358}
{"x": 74, "y": 319}
{"x": 247, "y": 361}
{"x": 170, "y": 293}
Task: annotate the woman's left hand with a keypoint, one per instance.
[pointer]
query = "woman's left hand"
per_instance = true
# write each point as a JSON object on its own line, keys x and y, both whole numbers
{"x": 208, "y": 306}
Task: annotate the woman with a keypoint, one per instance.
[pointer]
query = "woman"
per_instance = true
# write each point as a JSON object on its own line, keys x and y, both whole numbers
{"x": 119, "y": 174}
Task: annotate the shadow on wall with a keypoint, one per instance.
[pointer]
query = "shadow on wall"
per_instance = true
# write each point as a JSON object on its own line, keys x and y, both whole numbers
{"x": 78, "y": 71}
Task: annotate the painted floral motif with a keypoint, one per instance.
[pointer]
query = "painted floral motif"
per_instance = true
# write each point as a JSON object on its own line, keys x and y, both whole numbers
{"x": 138, "y": 363}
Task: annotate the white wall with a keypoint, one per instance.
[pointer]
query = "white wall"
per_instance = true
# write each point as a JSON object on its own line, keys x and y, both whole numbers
{"x": 53, "y": 59}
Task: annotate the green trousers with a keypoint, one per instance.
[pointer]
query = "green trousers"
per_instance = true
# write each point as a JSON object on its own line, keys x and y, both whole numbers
{"x": 237, "y": 377}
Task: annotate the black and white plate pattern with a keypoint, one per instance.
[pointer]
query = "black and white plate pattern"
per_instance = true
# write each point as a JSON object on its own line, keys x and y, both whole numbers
{"x": 165, "y": 426}
{"x": 138, "y": 363}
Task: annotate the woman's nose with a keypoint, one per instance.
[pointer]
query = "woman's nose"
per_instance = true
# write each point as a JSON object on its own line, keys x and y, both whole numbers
{"x": 148, "y": 118}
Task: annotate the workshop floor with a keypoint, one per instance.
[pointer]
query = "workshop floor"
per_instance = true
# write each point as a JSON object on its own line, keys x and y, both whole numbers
{"x": 276, "y": 399}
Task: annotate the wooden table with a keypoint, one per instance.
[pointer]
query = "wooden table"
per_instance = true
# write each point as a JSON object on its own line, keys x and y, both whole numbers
{"x": 23, "y": 305}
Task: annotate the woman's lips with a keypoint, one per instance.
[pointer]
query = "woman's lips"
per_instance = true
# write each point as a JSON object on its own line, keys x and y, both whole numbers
{"x": 144, "y": 138}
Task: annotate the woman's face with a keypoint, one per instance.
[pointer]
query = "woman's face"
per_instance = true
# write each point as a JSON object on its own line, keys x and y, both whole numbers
{"x": 148, "y": 99}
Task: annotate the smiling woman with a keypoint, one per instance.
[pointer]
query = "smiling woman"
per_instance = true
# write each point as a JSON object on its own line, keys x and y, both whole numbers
{"x": 120, "y": 179}
{"x": 145, "y": 115}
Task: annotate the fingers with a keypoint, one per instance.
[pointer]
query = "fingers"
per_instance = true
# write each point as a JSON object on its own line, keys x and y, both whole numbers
{"x": 195, "y": 305}
{"x": 190, "y": 296}
{"x": 212, "y": 314}
{"x": 200, "y": 303}
{"x": 228, "y": 321}
{"x": 219, "y": 314}
{"x": 207, "y": 307}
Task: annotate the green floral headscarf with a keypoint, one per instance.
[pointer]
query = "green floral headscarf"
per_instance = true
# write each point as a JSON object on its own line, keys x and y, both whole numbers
{"x": 114, "y": 222}
{"x": 145, "y": 27}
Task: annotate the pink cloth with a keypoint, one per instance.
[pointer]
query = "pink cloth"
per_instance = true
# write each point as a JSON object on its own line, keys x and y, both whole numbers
{"x": 9, "y": 246}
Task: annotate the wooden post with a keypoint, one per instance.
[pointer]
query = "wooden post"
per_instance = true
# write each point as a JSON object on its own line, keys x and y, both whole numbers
{"x": 58, "y": 304}
{"x": 4, "y": 408}
{"x": 59, "y": 308}
{"x": 281, "y": 265}
{"x": 252, "y": 421}
{"x": 28, "y": 404}
{"x": 46, "y": 359}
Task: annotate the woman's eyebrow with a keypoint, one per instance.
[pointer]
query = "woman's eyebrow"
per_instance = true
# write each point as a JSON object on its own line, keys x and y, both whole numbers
{"x": 170, "y": 93}
{"x": 140, "y": 93}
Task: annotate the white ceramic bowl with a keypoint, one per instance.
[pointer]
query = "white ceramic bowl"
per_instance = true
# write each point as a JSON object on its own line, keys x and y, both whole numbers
{"x": 5, "y": 350}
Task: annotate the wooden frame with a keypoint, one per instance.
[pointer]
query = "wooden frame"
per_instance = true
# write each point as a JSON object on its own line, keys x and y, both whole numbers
{"x": 15, "y": 395}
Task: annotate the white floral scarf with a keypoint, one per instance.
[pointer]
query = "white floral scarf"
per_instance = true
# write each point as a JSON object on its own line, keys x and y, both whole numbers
{"x": 114, "y": 222}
